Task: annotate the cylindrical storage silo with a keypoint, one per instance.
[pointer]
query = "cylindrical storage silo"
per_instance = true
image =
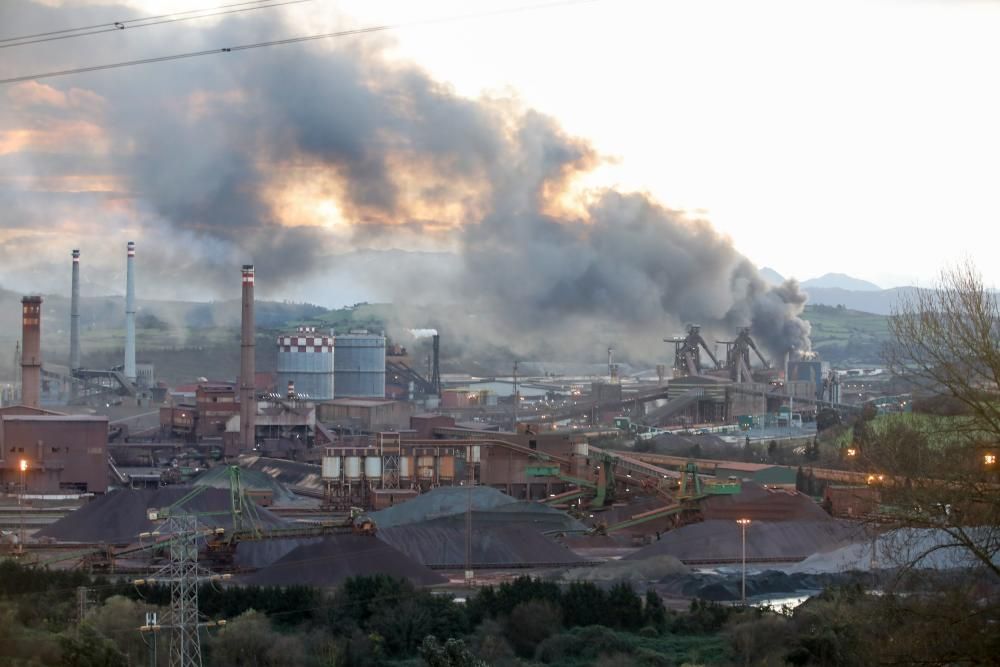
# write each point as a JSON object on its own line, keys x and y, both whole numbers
{"x": 359, "y": 365}
{"x": 373, "y": 467}
{"x": 352, "y": 467}
{"x": 425, "y": 467}
{"x": 331, "y": 467}
{"x": 306, "y": 359}
{"x": 475, "y": 453}
{"x": 405, "y": 467}
{"x": 446, "y": 467}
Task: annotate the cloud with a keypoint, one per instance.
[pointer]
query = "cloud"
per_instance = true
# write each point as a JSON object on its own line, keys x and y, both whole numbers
{"x": 286, "y": 157}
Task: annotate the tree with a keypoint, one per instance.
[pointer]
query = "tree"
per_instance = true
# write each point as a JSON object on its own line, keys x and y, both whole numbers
{"x": 89, "y": 648}
{"x": 946, "y": 342}
{"x": 250, "y": 640}
{"x": 453, "y": 653}
{"x": 653, "y": 612}
{"x": 624, "y": 607}
{"x": 583, "y": 603}
{"x": 530, "y": 623}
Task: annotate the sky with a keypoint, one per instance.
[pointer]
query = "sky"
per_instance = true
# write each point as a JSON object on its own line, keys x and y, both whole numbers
{"x": 853, "y": 137}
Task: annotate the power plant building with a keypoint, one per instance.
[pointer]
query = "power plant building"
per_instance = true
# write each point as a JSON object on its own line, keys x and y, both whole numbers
{"x": 306, "y": 362}
{"x": 59, "y": 453}
{"x": 359, "y": 365}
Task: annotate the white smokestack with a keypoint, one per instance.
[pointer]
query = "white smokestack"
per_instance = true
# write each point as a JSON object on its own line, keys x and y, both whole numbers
{"x": 130, "y": 314}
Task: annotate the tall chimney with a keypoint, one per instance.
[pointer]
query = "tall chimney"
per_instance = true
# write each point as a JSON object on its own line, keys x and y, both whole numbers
{"x": 436, "y": 369}
{"x": 74, "y": 317}
{"x": 130, "y": 314}
{"x": 248, "y": 370}
{"x": 31, "y": 354}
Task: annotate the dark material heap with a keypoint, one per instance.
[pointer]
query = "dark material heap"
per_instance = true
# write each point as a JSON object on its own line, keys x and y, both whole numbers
{"x": 720, "y": 541}
{"x": 331, "y": 560}
{"x": 119, "y": 517}
{"x": 441, "y": 544}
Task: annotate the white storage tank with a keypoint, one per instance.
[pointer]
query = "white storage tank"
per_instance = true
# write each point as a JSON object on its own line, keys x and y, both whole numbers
{"x": 359, "y": 365}
{"x": 405, "y": 467}
{"x": 373, "y": 467}
{"x": 352, "y": 467}
{"x": 581, "y": 449}
{"x": 331, "y": 467}
{"x": 306, "y": 359}
{"x": 475, "y": 453}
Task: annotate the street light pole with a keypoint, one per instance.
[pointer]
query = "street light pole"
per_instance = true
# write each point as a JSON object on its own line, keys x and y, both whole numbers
{"x": 20, "y": 502}
{"x": 743, "y": 531}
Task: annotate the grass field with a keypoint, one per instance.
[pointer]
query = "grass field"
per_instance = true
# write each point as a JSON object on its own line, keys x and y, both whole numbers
{"x": 846, "y": 336}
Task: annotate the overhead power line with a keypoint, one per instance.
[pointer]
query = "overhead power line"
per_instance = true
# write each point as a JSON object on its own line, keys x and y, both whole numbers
{"x": 293, "y": 40}
{"x": 118, "y": 26}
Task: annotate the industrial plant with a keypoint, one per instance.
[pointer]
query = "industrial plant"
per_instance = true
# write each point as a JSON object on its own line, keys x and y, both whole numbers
{"x": 345, "y": 438}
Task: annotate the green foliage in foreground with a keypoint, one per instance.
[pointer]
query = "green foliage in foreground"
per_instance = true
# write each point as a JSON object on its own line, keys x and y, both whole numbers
{"x": 380, "y": 621}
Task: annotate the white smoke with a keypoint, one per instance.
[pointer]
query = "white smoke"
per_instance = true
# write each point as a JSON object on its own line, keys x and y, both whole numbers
{"x": 423, "y": 333}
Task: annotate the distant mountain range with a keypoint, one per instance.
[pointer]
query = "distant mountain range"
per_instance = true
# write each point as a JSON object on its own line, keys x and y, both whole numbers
{"x": 826, "y": 281}
{"x": 839, "y": 289}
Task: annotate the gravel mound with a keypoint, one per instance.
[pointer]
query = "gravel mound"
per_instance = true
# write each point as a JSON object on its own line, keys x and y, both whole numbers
{"x": 256, "y": 554}
{"x": 331, "y": 560}
{"x": 442, "y": 545}
{"x": 761, "y": 504}
{"x": 440, "y": 502}
{"x": 293, "y": 474}
{"x": 720, "y": 541}
{"x": 119, "y": 517}
{"x": 252, "y": 480}
{"x": 895, "y": 549}
{"x": 523, "y": 513}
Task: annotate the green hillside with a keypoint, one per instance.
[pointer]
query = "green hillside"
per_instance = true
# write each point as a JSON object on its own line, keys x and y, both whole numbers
{"x": 844, "y": 336}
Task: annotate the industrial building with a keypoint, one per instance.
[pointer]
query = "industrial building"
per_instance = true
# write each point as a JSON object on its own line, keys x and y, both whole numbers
{"x": 58, "y": 453}
{"x": 203, "y": 417}
{"x": 368, "y": 415}
{"x": 359, "y": 365}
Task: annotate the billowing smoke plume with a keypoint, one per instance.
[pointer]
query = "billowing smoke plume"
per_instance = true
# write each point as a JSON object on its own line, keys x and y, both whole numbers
{"x": 286, "y": 157}
{"x": 423, "y": 333}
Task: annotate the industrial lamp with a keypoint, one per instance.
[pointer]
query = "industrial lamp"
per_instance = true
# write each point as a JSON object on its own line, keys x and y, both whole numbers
{"x": 743, "y": 531}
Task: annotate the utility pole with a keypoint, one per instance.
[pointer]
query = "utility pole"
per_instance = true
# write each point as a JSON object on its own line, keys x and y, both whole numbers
{"x": 23, "y": 466}
{"x": 743, "y": 531}
{"x": 184, "y": 576}
{"x": 469, "y": 575}
{"x": 81, "y": 602}
{"x": 515, "y": 396}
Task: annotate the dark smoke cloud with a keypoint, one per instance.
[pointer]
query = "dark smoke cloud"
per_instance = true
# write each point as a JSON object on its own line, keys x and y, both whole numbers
{"x": 200, "y": 147}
